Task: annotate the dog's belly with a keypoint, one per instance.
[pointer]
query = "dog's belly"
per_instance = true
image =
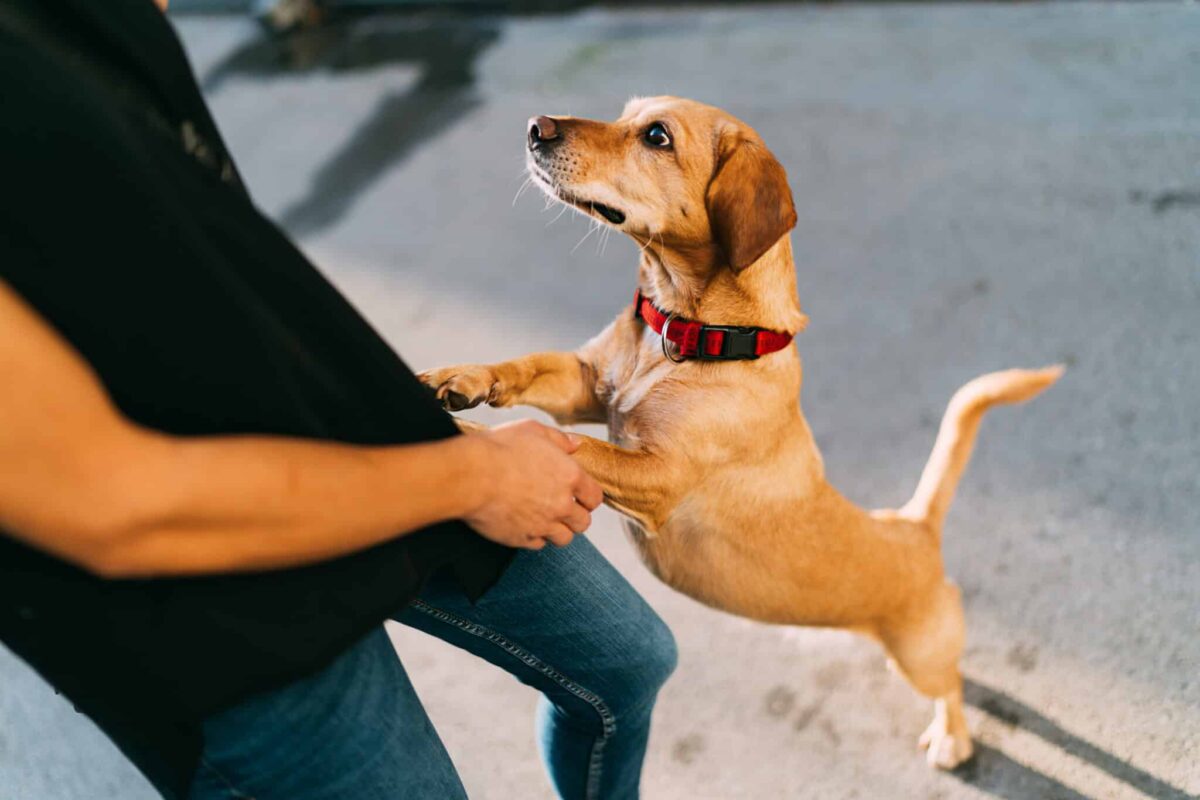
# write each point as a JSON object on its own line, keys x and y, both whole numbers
{"x": 787, "y": 560}
{"x": 758, "y": 531}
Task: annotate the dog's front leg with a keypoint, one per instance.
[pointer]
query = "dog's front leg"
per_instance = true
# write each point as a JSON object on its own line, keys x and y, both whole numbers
{"x": 639, "y": 484}
{"x": 561, "y": 384}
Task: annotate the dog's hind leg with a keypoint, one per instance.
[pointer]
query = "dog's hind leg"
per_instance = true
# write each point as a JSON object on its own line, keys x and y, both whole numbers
{"x": 926, "y": 643}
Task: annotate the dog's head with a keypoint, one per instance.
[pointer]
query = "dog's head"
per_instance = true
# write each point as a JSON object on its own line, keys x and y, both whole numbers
{"x": 669, "y": 171}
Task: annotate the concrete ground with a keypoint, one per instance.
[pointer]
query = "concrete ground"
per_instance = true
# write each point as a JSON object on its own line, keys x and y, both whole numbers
{"x": 978, "y": 187}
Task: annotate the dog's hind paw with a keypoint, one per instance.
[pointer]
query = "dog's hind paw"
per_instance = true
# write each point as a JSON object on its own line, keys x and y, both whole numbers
{"x": 944, "y": 749}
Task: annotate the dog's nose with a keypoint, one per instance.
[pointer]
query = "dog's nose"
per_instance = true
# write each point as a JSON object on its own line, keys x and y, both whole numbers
{"x": 541, "y": 130}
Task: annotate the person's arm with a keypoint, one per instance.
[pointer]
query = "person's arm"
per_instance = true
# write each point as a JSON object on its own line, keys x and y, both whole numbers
{"x": 80, "y": 481}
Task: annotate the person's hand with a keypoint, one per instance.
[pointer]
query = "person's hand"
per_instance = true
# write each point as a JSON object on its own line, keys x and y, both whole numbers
{"x": 529, "y": 490}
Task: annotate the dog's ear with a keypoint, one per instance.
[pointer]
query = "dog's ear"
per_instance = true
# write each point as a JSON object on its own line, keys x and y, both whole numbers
{"x": 749, "y": 203}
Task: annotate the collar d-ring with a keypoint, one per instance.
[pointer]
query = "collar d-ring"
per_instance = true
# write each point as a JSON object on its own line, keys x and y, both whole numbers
{"x": 662, "y": 338}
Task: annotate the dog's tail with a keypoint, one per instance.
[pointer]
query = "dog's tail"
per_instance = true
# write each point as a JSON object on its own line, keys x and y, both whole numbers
{"x": 956, "y": 438}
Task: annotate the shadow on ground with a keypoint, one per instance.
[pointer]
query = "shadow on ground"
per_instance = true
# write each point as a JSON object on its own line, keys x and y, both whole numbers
{"x": 445, "y": 51}
{"x": 994, "y": 772}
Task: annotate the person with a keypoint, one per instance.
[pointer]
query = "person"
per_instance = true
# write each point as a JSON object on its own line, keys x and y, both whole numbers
{"x": 283, "y": 16}
{"x": 217, "y": 481}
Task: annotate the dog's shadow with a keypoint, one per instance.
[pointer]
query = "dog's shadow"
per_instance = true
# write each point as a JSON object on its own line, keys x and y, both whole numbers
{"x": 996, "y": 773}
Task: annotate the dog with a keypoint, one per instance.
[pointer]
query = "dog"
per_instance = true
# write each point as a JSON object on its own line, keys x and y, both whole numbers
{"x": 710, "y": 459}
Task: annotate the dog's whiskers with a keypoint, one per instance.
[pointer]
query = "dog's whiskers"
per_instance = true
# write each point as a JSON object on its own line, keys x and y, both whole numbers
{"x": 557, "y": 216}
{"x": 602, "y": 244}
{"x": 524, "y": 185}
{"x": 595, "y": 227}
{"x": 662, "y": 253}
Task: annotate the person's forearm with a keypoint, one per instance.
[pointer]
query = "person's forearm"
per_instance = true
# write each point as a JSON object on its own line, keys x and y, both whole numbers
{"x": 80, "y": 481}
{"x": 179, "y": 506}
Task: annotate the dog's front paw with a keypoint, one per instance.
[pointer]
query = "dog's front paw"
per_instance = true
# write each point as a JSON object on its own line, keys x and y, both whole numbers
{"x": 464, "y": 386}
{"x": 944, "y": 748}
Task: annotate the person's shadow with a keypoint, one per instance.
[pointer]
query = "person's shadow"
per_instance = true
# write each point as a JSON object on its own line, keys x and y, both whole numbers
{"x": 445, "y": 50}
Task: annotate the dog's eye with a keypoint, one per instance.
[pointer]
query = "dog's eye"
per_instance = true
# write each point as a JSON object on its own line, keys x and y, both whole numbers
{"x": 656, "y": 135}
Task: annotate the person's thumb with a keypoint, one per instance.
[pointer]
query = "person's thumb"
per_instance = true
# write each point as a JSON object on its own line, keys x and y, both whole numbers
{"x": 567, "y": 442}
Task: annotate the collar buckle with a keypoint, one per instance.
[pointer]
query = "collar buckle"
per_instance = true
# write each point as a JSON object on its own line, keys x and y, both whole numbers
{"x": 740, "y": 343}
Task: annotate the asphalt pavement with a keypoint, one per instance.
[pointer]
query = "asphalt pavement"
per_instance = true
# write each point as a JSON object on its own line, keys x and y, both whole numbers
{"x": 978, "y": 186}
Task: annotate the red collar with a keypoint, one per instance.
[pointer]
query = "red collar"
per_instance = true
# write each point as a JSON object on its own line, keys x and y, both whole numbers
{"x": 707, "y": 342}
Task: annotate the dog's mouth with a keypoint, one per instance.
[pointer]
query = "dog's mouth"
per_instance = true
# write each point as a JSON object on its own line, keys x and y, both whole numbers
{"x": 614, "y": 215}
{"x": 608, "y": 212}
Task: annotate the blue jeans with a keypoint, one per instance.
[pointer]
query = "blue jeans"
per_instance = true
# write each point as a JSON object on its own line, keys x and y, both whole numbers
{"x": 561, "y": 620}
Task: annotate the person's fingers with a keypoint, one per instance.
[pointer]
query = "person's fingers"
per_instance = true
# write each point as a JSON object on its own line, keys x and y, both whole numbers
{"x": 579, "y": 520}
{"x": 588, "y": 492}
{"x": 561, "y": 536}
{"x": 534, "y": 542}
{"x": 520, "y": 426}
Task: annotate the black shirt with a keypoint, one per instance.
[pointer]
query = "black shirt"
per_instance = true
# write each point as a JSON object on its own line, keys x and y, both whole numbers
{"x": 122, "y": 221}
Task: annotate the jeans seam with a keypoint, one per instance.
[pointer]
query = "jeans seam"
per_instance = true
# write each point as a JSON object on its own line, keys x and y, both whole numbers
{"x": 234, "y": 792}
{"x": 607, "y": 720}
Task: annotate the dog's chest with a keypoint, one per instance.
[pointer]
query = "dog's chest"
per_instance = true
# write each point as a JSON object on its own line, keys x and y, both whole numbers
{"x": 628, "y": 381}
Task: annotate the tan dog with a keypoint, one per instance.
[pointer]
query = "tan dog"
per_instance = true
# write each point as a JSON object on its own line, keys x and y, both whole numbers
{"x": 713, "y": 462}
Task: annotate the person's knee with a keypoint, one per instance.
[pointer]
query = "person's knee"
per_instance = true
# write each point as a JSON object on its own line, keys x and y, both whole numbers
{"x": 664, "y": 653}
{"x": 656, "y": 659}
